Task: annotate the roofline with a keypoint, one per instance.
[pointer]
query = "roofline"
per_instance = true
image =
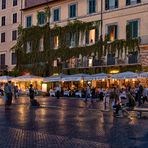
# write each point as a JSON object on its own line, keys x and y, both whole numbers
{"x": 38, "y": 5}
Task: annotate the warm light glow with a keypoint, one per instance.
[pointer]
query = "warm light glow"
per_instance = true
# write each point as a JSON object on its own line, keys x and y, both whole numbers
{"x": 56, "y": 42}
{"x": 92, "y": 36}
{"x": 90, "y": 62}
{"x": 126, "y": 80}
{"x": 114, "y": 71}
{"x": 82, "y": 81}
{"x": 133, "y": 80}
{"x": 44, "y": 87}
{"x": 55, "y": 74}
{"x": 103, "y": 80}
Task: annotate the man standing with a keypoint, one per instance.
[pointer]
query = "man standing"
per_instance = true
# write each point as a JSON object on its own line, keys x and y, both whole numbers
{"x": 58, "y": 91}
{"x": 8, "y": 94}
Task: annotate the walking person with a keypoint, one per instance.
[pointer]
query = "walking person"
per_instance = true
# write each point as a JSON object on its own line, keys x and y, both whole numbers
{"x": 32, "y": 96}
{"x": 16, "y": 92}
{"x": 87, "y": 92}
{"x": 8, "y": 95}
{"x": 93, "y": 93}
{"x": 58, "y": 91}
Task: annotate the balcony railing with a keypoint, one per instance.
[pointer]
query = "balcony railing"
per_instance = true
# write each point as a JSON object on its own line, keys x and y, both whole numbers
{"x": 100, "y": 63}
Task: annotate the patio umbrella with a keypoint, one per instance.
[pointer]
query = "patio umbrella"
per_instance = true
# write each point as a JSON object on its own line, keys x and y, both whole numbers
{"x": 27, "y": 78}
{"x": 76, "y": 77}
{"x": 5, "y": 78}
{"x": 99, "y": 76}
{"x": 144, "y": 75}
{"x": 125, "y": 75}
{"x": 53, "y": 78}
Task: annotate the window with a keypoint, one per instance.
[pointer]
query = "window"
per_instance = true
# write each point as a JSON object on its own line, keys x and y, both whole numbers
{"x": 41, "y": 18}
{"x": 2, "y": 59}
{"x": 14, "y": 35}
{"x": 29, "y": 47}
{"x": 132, "y": 2}
{"x": 132, "y": 29}
{"x": 14, "y": 18}
{"x": 56, "y": 14}
{"x": 111, "y": 59}
{"x": 72, "y": 40}
{"x": 56, "y": 42}
{"x": 28, "y": 21}
{"x": 111, "y": 4}
{"x": 91, "y": 6}
{"x": 112, "y": 32}
{"x": 91, "y": 36}
{"x": 72, "y": 11}
{"x": 14, "y": 2}
{"x": 13, "y": 59}
{"x": 3, "y": 4}
{"x": 41, "y": 46}
{"x": 3, "y": 23}
{"x": 2, "y": 37}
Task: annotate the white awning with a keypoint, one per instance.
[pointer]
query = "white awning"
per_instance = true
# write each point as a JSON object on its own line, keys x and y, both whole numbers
{"x": 125, "y": 75}
{"x": 5, "y": 78}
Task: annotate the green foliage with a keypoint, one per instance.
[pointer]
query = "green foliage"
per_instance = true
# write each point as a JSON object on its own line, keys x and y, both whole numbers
{"x": 38, "y": 62}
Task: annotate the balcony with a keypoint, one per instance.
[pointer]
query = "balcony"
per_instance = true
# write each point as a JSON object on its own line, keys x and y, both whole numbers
{"x": 132, "y": 59}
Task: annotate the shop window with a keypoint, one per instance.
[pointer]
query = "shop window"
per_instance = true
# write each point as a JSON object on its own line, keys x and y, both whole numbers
{"x": 112, "y": 32}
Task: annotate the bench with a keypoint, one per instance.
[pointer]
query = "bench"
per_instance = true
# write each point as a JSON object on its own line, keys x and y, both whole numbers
{"x": 140, "y": 110}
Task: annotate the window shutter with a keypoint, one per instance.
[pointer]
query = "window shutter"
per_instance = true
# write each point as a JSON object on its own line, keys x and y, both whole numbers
{"x": 128, "y": 2}
{"x": 116, "y": 32}
{"x": 106, "y": 4}
{"x": 96, "y": 34}
{"x": 87, "y": 37}
{"x": 116, "y": 3}
{"x": 135, "y": 29}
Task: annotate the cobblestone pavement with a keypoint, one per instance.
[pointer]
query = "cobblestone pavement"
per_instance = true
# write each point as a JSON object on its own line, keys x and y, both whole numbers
{"x": 68, "y": 123}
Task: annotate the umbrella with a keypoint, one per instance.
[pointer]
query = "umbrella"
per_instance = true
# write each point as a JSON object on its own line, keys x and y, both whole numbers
{"x": 76, "y": 77}
{"x": 53, "y": 78}
{"x": 125, "y": 75}
{"x": 99, "y": 76}
{"x": 5, "y": 78}
{"x": 144, "y": 75}
{"x": 27, "y": 78}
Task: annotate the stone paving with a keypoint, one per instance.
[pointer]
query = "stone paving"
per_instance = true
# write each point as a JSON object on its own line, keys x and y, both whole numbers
{"x": 68, "y": 123}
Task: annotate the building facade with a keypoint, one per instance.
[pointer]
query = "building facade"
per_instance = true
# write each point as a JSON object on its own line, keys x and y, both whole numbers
{"x": 10, "y": 19}
{"x": 113, "y": 20}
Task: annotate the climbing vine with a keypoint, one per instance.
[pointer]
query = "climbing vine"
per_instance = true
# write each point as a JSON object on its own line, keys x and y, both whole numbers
{"x": 39, "y": 61}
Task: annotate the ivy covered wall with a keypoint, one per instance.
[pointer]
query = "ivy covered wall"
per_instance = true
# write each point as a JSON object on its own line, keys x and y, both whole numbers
{"x": 40, "y": 62}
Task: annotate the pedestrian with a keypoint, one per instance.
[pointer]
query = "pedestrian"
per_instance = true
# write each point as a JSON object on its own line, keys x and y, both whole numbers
{"x": 16, "y": 92}
{"x": 8, "y": 94}
{"x": 140, "y": 92}
{"x": 93, "y": 93}
{"x": 33, "y": 102}
{"x": 58, "y": 91}
{"x": 31, "y": 92}
{"x": 87, "y": 92}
